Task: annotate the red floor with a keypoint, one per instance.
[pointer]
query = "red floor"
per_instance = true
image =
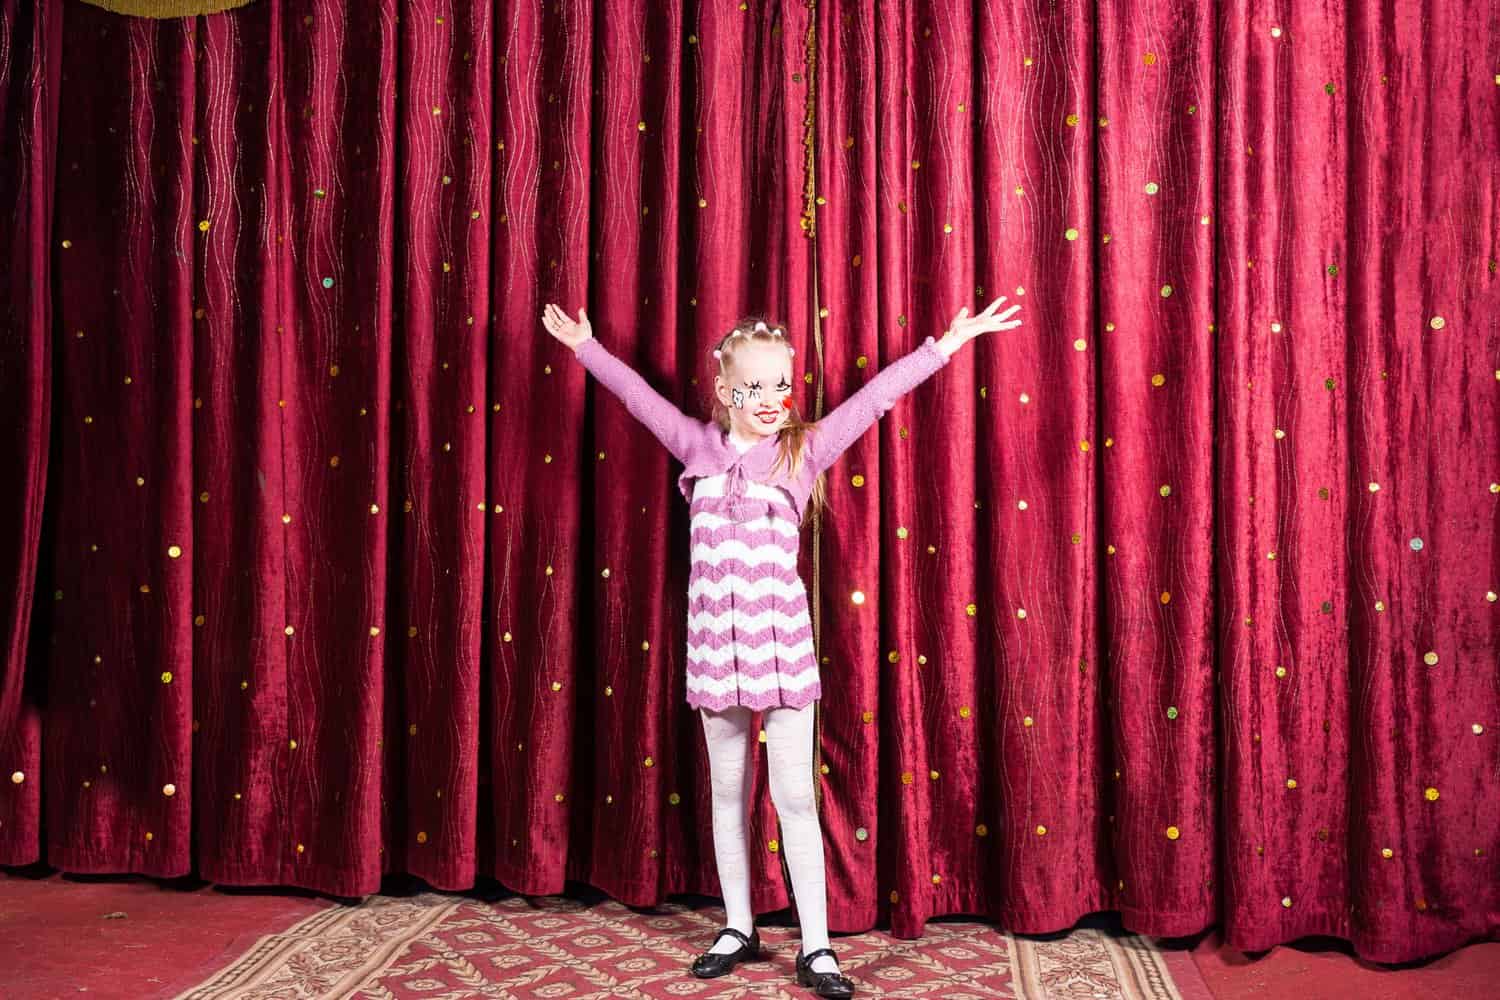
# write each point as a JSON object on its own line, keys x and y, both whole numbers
{"x": 1324, "y": 969}
{"x": 58, "y": 940}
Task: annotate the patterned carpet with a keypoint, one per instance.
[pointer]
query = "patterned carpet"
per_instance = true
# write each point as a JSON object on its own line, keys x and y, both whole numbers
{"x": 443, "y": 947}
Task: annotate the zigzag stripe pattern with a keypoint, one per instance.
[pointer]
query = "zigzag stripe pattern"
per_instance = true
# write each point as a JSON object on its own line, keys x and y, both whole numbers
{"x": 750, "y": 638}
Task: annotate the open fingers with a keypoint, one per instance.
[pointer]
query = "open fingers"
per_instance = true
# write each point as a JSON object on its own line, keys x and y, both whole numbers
{"x": 989, "y": 310}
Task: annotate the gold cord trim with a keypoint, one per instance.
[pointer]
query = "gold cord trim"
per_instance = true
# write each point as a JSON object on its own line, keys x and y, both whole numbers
{"x": 810, "y": 230}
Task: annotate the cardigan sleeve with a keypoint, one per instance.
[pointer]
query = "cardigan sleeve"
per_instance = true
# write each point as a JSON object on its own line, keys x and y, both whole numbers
{"x": 673, "y": 428}
{"x": 851, "y": 418}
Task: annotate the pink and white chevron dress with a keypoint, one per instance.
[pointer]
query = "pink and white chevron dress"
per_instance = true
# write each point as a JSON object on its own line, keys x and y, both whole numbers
{"x": 750, "y": 639}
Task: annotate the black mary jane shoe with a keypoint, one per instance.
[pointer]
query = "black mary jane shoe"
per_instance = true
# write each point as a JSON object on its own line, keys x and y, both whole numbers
{"x": 824, "y": 984}
{"x": 710, "y": 965}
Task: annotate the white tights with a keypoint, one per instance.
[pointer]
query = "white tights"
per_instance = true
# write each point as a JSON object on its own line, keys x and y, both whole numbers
{"x": 789, "y": 747}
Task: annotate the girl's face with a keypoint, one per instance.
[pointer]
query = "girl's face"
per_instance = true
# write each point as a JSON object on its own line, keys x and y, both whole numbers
{"x": 756, "y": 388}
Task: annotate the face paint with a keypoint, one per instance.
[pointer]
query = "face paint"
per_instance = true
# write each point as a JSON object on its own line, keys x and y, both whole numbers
{"x": 737, "y": 398}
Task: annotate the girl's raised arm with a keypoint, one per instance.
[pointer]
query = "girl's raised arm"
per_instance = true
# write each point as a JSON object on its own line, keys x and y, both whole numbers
{"x": 674, "y": 429}
{"x": 851, "y": 418}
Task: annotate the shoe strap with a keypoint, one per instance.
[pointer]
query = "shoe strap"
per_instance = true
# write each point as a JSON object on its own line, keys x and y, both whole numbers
{"x": 735, "y": 934}
{"x": 807, "y": 959}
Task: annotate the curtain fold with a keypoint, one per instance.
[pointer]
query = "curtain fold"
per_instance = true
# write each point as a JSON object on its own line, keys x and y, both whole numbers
{"x": 1179, "y": 600}
{"x": 31, "y": 41}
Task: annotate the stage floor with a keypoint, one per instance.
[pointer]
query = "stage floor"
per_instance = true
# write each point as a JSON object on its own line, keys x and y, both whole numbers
{"x": 129, "y": 937}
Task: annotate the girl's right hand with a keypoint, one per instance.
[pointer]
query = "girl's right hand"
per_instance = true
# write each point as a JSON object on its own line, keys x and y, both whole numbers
{"x": 564, "y": 328}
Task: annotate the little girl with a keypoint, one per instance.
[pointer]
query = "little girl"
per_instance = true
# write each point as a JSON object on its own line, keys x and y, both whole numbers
{"x": 748, "y": 474}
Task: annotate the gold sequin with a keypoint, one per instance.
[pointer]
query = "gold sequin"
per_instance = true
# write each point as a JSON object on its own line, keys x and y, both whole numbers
{"x": 1041, "y": 831}
{"x": 166, "y": 676}
{"x": 1291, "y": 783}
{"x": 1430, "y": 658}
{"x": 1431, "y": 794}
{"x": 857, "y": 479}
{"x": 971, "y": 610}
{"x": 1173, "y": 833}
{"x": 649, "y": 762}
{"x": 674, "y": 798}
{"x": 907, "y": 777}
{"x": 17, "y": 777}
{"x": 857, "y": 597}
{"x": 868, "y": 716}
{"x": 773, "y": 846}
{"x": 964, "y": 711}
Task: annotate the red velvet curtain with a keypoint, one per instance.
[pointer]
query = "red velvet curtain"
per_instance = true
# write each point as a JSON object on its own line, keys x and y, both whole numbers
{"x": 1179, "y": 600}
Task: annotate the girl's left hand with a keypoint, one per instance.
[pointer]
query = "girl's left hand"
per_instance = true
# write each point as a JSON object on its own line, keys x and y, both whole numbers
{"x": 965, "y": 328}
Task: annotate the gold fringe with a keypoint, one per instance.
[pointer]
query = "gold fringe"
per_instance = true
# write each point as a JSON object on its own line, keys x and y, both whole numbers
{"x": 167, "y": 8}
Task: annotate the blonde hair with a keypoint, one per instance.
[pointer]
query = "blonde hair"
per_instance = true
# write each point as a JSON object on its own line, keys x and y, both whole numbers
{"x": 791, "y": 440}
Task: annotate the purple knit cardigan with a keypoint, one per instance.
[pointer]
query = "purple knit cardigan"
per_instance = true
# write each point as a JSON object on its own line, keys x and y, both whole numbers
{"x": 705, "y": 450}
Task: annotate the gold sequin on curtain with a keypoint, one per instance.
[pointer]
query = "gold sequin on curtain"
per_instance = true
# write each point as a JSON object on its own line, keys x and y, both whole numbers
{"x": 167, "y": 8}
